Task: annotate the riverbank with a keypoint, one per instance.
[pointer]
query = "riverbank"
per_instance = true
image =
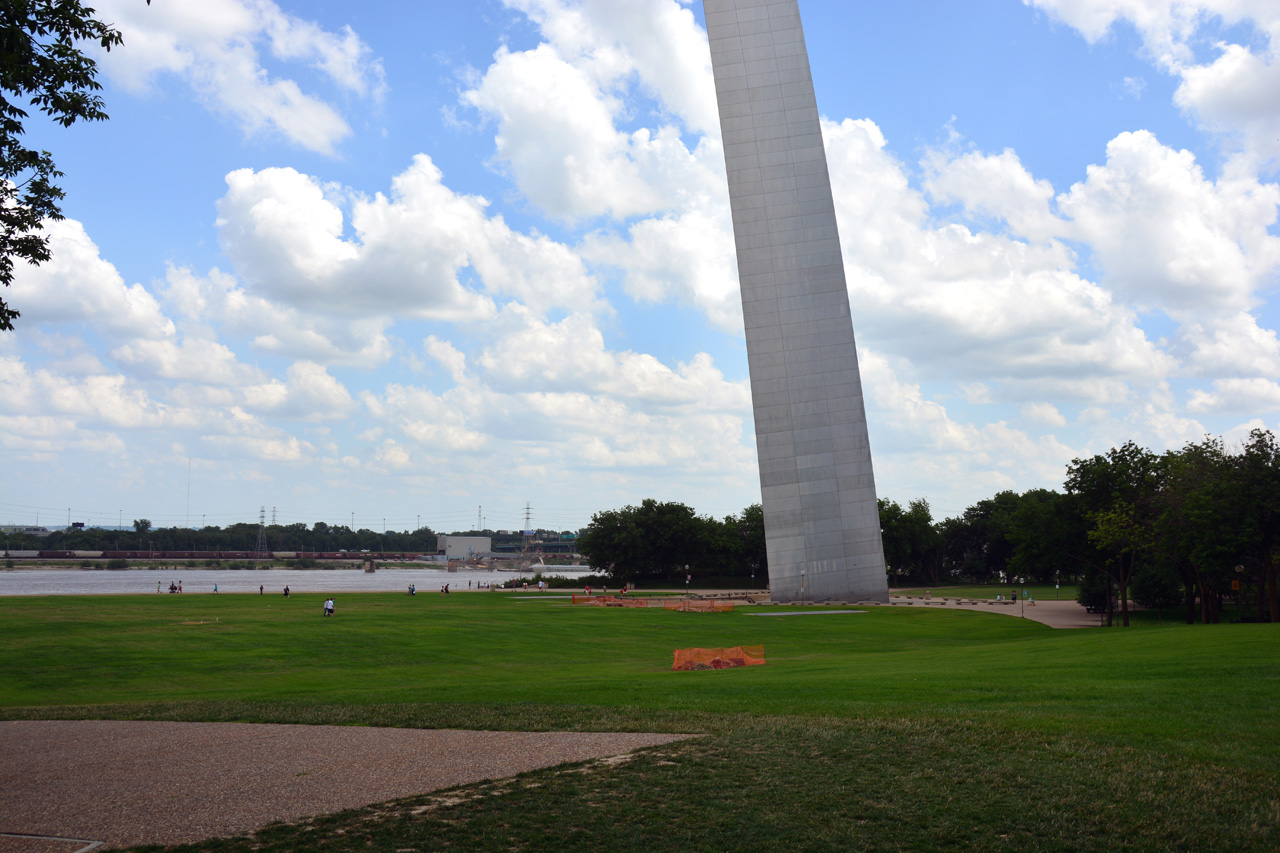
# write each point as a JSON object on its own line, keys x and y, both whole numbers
{"x": 272, "y": 581}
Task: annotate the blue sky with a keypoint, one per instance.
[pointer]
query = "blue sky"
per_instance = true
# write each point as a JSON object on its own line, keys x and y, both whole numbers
{"x": 408, "y": 260}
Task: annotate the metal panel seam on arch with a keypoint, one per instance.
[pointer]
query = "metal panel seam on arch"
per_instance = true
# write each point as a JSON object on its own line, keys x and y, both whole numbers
{"x": 822, "y": 524}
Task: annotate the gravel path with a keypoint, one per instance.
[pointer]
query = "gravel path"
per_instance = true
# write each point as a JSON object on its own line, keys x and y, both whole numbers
{"x": 128, "y": 783}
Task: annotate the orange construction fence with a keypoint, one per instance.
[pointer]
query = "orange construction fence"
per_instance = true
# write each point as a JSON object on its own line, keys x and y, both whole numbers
{"x": 699, "y": 606}
{"x": 610, "y": 601}
{"x": 718, "y": 658}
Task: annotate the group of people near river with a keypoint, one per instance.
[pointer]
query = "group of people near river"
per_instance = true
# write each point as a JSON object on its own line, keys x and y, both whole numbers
{"x": 175, "y": 587}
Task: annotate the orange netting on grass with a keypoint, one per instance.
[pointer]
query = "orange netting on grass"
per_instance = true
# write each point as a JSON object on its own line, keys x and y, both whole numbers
{"x": 718, "y": 658}
{"x": 696, "y": 606}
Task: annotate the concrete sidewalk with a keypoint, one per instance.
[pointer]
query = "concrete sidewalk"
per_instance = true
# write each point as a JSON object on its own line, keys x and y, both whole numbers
{"x": 1055, "y": 614}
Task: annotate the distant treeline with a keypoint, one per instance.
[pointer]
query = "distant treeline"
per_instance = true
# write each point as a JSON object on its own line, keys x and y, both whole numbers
{"x": 234, "y": 537}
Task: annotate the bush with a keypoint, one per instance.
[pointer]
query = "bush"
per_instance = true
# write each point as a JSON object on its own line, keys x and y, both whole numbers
{"x": 8, "y": 564}
{"x": 86, "y": 564}
{"x": 117, "y": 563}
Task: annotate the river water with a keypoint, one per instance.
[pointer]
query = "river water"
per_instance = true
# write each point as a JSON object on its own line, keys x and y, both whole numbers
{"x": 273, "y": 581}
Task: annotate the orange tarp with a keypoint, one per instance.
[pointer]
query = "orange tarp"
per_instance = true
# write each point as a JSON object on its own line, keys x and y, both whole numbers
{"x": 698, "y": 606}
{"x": 718, "y": 658}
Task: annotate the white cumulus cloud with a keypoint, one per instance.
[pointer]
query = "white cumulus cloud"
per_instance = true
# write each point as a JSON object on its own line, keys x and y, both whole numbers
{"x": 214, "y": 47}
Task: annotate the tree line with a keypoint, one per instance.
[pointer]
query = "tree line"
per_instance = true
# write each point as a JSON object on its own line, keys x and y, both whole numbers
{"x": 1189, "y": 527}
{"x": 669, "y": 541}
{"x": 234, "y": 537}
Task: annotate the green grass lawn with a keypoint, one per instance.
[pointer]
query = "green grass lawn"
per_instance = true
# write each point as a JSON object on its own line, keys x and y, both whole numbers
{"x": 895, "y": 728}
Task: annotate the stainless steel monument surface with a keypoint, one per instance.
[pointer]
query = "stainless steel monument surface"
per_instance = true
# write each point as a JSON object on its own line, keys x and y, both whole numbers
{"x": 822, "y": 527}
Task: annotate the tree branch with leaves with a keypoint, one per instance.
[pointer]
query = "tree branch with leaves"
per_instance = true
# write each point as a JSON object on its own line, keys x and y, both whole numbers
{"x": 42, "y": 67}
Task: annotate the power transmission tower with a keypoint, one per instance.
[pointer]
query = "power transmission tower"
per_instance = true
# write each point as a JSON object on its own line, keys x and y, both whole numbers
{"x": 273, "y": 516}
{"x": 532, "y": 544}
{"x": 260, "y": 552}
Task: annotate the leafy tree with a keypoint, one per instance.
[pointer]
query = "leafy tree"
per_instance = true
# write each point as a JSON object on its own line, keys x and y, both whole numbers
{"x": 976, "y": 546}
{"x": 653, "y": 540}
{"x": 1119, "y": 532}
{"x": 1258, "y": 483}
{"x": 1044, "y": 529}
{"x": 1116, "y": 492}
{"x": 750, "y": 530}
{"x": 141, "y": 525}
{"x": 893, "y": 537}
{"x": 41, "y": 64}
{"x": 921, "y": 538}
{"x": 1204, "y": 528}
{"x": 910, "y": 540}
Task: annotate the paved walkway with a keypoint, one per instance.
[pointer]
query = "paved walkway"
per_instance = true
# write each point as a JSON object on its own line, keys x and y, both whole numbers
{"x": 65, "y": 784}
{"x": 1055, "y": 614}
